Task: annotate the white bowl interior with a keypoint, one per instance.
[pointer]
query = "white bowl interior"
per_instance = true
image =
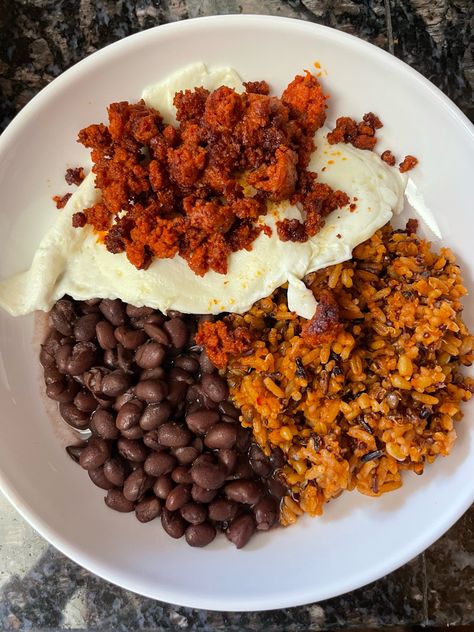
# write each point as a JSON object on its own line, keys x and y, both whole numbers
{"x": 358, "y": 539}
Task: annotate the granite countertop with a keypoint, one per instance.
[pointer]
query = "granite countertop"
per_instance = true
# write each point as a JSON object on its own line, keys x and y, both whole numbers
{"x": 40, "y": 589}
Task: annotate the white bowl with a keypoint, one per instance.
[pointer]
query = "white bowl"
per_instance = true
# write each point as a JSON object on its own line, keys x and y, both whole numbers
{"x": 359, "y": 539}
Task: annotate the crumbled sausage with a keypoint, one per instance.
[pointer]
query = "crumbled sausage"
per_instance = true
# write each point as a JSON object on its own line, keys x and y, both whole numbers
{"x": 178, "y": 189}
{"x": 222, "y": 342}
{"x": 388, "y": 157}
{"x": 407, "y": 164}
{"x": 325, "y": 324}
{"x": 74, "y": 176}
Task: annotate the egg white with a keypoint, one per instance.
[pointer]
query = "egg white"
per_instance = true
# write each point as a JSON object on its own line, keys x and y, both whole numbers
{"x": 72, "y": 261}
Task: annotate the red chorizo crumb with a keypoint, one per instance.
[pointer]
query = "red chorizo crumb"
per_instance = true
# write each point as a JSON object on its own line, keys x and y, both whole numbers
{"x": 277, "y": 179}
{"x": 325, "y": 324}
{"x": 352, "y": 207}
{"x": 170, "y": 190}
{"x": 372, "y": 120}
{"x": 79, "y": 220}
{"x": 408, "y": 163}
{"x": 339, "y": 235}
{"x": 388, "y": 157}
{"x": 190, "y": 104}
{"x": 257, "y": 87}
{"x": 411, "y": 226}
{"x": 221, "y": 342}
{"x": 61, "y": 200}
{"x": 361, "y": 135}
{"x": 291, "y": 230}
{"x": 305, "y": 96}
{"x": 74, "y": 176}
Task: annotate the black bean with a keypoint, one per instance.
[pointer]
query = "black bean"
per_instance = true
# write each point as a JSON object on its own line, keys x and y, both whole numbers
{"x": 111, "y": 359}
{"x": 173, "y": 313}
{"x": 228, "y": 458}
{"x": 214, "y": 387}
{"x": 241, "y": 530}
{"x": 49, "y": 349}
{"x": 63, "y": 391}
{"x": 122, "y": 399}
{"x": 148, "y": 509}
{"x": 194, "y": 513}
{"x": 63, "y": 316}
{"x": 85, "y": 401}
{"x": 153, "y": 374}
{"x": 188, "y": 363}
{"x": 159, "y": 463}
{"x": 74, "y": 451}
{"x": 124, "y": 358}
{"x": 171, "y": 435}
{"x": 243, "y": 438}
{"x": 129, "y": 415}
{"x": 135, "y": 432}
{"x": 201, "y": 495}
{"x": 200, "y": 534}
{"x": 180, "y": 375}
{"x": 208, "y": 475}
{"x": 151, "y": 391}
{"x": 105, "y": 335}
{"x": 83, "y": 358}
{"x": 243, "y": 469}
{"x": 227, "y": 408}
{"x": 103, "y": 424}
{"x": 93, "y": 379}
{"x": 266, "y": 513}
{"x": 136, "y": 484}
{"x": 130, "y": 338}
{"x": 186, "y": 455}
{"x": 163, "y": 485}
{"x": 150, "y": 439}
{"x": 243, "y": 491}
{"x": 221, "y": 436}
{"x": 138, "y": 312}
{"x": 259, "y": 462}
{"x": 150, "y": 355}
{"x": 73, "y": 416}
{"x": 178, "y": 497}
{"x": 156, "y": 333}
{"x": 115, "y": 383}
{"x": 52, "y": 374}
{"x": 94, "y": 454}
{"x": 84, "y": 328}
{"x": 198, "y": 443}
{"x": 206, "y": 365}
{"x": 182, "y": 474}
{"x": 98, "y": 477}
{"x": 177, "y": 331}
{"x": 116, "y": 500}
{"x": 173, "y": 523}
{"x": 228, "y": 420}
{"x": 277, "y": 458}
{"x": 63, "y": 356}
{"x": 131, "y": 450}
{"x": 276, "y": 488}
{"x": 223, "y": 510}
{"x": 201, "y": 420}
{"x": 113, "y": 310}
{"x": 177, "y": 394}
{"x": 154, "y": 415}
{"x": 115, "y": 470}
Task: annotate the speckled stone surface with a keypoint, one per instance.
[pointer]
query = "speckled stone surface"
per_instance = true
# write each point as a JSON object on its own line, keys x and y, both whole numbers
{"x": 40, "y": 589}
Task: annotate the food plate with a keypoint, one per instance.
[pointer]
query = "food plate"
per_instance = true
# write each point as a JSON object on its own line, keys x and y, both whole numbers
{"x": 358, "y": 539}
